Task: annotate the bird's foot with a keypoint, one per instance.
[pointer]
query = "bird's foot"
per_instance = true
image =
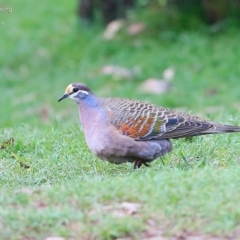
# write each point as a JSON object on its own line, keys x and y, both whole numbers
{"x": 138, "y": 163}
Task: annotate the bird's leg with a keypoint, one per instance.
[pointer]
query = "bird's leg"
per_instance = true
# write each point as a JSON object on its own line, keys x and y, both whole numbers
{"x": 138, "y": 163}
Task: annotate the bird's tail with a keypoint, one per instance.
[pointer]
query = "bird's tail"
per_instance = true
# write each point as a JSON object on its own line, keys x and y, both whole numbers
{"x": 221, "y": 128}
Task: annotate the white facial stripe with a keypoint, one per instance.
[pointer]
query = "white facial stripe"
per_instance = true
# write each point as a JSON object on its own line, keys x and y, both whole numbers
{"x": 85, "y": 92}
{"x": 74, "y": 95}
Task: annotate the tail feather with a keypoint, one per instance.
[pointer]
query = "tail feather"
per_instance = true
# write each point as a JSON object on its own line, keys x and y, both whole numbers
{"x": 217, "y": 128}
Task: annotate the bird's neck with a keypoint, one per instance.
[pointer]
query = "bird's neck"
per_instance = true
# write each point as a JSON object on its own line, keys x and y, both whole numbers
{"x": 90, "y": 110}
{"x": 91, "y": 117}
{"x": 89, "y": 101}
{"x": 88, "y": 107}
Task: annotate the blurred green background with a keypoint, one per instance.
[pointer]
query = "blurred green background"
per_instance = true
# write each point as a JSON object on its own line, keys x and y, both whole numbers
{"x": 46, "y": 46}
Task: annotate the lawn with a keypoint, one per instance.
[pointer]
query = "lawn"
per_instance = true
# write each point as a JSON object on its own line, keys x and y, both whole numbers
{"x": 52, "y": 185}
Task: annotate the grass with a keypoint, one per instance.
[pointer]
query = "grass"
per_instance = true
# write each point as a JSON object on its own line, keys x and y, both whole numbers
{"x": 52, "y": 185}
{"x": 79, "y": 207}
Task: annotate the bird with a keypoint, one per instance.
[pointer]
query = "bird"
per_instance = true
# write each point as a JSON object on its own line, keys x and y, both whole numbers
{"x": 121, "y": 130}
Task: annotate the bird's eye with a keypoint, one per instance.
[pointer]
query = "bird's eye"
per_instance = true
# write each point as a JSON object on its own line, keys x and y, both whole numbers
{"x": 75, "y": 89}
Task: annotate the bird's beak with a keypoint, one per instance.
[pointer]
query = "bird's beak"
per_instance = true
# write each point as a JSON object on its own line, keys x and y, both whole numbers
{"x": 63, "y": 96}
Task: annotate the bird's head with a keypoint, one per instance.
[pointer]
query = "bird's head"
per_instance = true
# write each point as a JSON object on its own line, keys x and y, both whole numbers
{"x": 76, "y": 91}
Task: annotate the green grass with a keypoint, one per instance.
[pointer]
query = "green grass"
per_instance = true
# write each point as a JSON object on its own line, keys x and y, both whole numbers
{"x": 52, "y": 185}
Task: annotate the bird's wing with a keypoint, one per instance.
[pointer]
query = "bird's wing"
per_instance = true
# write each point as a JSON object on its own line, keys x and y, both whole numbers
{"x": 144, "y": 121}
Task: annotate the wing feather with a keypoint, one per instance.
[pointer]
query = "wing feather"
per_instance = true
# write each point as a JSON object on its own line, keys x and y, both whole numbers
{"x": 144, "y": 121}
